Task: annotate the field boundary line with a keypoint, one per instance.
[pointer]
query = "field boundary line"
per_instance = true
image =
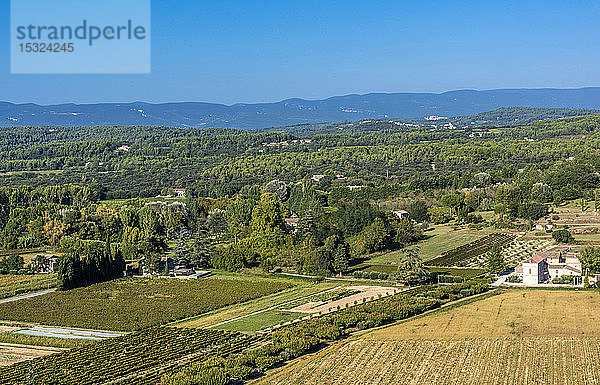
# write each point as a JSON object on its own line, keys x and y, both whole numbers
{"x": 272, "y": 307}
{"x": 352, "y": 336}
{"x": 25, "y": 296}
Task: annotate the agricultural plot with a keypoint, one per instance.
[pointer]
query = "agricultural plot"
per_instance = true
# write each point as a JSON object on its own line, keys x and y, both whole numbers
{"x": 135, "y": 303}
{"x": 11, "y": 354}
{"x": 518, "y": 337}
{"x": 147, "y": 356}
{"x": 471, "y": 252}
{"x": 328, "y": 301}
{"x": 116, "y": 357}
{"x": 276, "y": 301}
{"x": 260, "y": 321}
{"x": 477, "y": 361}
{"x": 463, "y": 272}
{"x": 14, "y": 285}
{"x": 519, "y": 250}
{"x": 440, "y": 239}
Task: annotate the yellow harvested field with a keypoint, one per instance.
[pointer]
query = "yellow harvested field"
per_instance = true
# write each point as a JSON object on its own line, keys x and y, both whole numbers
{"x": 517, "y": 337}
{"x": 486, "y": 361}
{"x": 10, "y": 354}
{"x": 514, "y": 313}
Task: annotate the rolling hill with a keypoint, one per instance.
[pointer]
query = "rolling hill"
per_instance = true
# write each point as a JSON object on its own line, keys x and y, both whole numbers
{"x": 295, "y": 111}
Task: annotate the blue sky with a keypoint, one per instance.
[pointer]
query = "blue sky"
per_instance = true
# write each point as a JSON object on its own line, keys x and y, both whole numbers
{"x": 260, "y": 51}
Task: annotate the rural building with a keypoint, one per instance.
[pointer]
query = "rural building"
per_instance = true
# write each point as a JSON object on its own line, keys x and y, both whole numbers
{"x": 402, "y": 214}
{"x": 179, "y": 192}
{"x": 564, "y": 263}
{"x": 542, "y": 267}
{"x": 43, "y": 263}
{"x": 182, "y": 271}
{"x": 292, "y": 223}
{"x": 134, "y": 269}
{"x": 535, "y": 269}
{"x": 166, "y": 263}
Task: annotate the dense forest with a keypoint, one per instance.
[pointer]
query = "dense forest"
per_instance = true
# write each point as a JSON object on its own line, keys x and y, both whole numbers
{"x": 126, "y": 162}
{"x": 309, "y": 202}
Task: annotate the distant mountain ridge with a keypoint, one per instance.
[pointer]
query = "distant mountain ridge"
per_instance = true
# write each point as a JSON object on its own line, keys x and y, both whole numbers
{"x": 296, "y": 111}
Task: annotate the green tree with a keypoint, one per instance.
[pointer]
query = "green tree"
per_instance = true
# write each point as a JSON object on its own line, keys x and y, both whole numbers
{"x": 277, "y": 188}
{"x": 455, "y": 201}
{"x": 336, "y": 253}
{"x": 200, "y": 249}
{"x": 239, "y": 215}
{"x": 267, "y": 216}
{"x": 563, "y": 236}
{"x": 417, "y": 210}
{"x": 411, "y": 270}
{"x": 590, "y": 259}
{"x": 494, "y": 262}
{"x": 373, "y": 238}
{"x": 69, "y": 274}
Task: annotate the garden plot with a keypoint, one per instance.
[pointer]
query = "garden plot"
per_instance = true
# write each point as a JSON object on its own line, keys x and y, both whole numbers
{"x": 471, "y": 254}
{"x": 520, "y": 250}
{"x": 363, "y": 294}
{"x": 516, "y": 251}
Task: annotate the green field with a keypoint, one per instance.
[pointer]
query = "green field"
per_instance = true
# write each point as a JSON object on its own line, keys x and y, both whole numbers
{"x": 13, "y": 285}
{"x": 260, "y": 321}
{"x": 272, "y": 301}
{"x": 440, "y": 239}
{"x": 135, "y": 303}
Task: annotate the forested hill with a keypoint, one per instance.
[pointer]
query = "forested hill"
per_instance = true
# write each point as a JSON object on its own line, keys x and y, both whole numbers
{"x": 296, "y": 111}
{"x": 505, "y": 116}
{"x": 122, "y": 162}
{"x": 516, "y": 115}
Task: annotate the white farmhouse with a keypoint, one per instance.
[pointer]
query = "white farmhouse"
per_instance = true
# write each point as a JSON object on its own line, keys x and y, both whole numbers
{"x": 543, "y": 267}
{"x": 564, "y": 263}
{"x": 535, "y": 269}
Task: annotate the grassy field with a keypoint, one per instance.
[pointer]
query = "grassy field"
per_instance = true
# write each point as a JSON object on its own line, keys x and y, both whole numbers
{"x": 522, "y": 313}
{"x": 135, "y": 303}
{"x": 260, "y": 321}
{"x": 260, "y": 304}
{"x": 13, "y": 285}
{"x": 440, "y": 239}
{"x": 518, "y": 337}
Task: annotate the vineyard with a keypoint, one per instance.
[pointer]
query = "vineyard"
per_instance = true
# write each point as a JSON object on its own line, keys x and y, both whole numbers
{"x": 115, "y": 357}
{"x": 297, "y": 339}
{"x": 519, "y": 250}
{"x": 136, "y": 303}
{"x": 163, "y": 353}
{"x": 463, "y": 255}
{"x": 13, "y": 285}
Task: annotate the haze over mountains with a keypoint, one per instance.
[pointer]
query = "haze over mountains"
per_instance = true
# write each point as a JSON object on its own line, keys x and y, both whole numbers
{"x": 295, "y": 111}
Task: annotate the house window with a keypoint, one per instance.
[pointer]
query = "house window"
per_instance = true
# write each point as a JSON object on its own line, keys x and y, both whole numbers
{"x": 556, "y": 272}
{"x": 530, "y": 270}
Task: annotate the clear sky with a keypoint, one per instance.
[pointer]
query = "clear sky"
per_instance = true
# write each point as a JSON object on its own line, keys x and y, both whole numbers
{"x": 231, "y": 51}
